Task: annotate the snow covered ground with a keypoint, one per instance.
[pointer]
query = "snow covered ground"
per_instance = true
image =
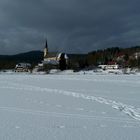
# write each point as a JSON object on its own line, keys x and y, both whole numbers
{"x": 69, "y": 107}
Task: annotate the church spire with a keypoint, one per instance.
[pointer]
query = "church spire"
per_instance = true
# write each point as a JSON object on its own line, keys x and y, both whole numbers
{"x": 46, "y": 46}
{"x": 46, "y": 50}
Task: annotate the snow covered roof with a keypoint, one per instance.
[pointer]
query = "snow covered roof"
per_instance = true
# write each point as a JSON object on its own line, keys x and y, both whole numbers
{"x": 53, "y": 62}
{"x": 60, "y": 54}
{"x": 23, "y": 65}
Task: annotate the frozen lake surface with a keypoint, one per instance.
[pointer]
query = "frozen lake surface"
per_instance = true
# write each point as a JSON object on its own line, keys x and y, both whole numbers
{"x": 69, "y": 107}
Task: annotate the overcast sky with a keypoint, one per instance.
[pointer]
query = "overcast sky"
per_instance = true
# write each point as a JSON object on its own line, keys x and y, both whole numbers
{"x": 72, "y": 26}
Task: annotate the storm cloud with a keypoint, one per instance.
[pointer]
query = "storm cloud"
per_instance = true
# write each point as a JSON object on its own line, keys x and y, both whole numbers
{"x": 72, "y": 26}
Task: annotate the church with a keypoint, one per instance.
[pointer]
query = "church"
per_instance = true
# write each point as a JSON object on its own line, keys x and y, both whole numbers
{"x": 55, "y": 60}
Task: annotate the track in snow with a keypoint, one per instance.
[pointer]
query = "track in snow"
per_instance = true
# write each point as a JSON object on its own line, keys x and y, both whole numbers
{"x": 132, "y": 111}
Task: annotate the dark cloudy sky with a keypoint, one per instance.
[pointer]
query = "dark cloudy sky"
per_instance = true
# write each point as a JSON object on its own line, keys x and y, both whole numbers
{"x": 73, "y": 26}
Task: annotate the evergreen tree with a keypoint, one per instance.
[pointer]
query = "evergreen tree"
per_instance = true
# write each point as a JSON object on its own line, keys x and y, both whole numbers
{"x": 62, "y": 62}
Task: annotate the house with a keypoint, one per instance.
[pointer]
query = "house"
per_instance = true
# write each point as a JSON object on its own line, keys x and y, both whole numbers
{"x": 137, "y": 55}
{"x": 120, "y": 57}
{"x": 111, "y": 65}
{"x": 23, "y": 67}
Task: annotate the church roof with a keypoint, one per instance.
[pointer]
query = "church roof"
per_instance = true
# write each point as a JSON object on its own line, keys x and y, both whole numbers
{"x": 51, "y": 54}
{"x": 53, "y": 62}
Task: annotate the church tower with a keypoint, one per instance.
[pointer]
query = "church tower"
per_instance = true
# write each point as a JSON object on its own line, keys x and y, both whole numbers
{"x": 46, "y": 50}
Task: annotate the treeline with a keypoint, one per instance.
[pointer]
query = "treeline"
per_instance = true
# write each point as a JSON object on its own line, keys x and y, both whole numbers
{"x": 122, "y": 56}
{"x": 125, "y": 57}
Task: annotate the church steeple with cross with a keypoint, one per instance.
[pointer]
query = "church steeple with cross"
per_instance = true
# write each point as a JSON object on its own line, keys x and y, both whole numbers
{"x": 46, "y": 50}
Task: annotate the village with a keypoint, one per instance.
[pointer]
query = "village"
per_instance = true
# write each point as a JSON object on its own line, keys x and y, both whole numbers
{"x": 119, "y": 63}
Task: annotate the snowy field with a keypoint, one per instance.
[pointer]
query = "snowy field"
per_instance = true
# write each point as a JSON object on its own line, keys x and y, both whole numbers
{"x": 69, "y": 107}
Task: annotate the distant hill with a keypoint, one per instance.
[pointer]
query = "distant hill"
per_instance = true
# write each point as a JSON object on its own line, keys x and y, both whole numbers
{"x": 9, "y": 61}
